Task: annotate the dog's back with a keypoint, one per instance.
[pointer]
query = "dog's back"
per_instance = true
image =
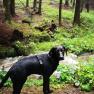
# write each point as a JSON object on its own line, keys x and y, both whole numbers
{"x": 30, "y": 65}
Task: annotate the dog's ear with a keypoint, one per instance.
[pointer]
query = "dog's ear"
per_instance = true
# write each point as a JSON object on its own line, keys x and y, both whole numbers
{"x": 52, "y": 51}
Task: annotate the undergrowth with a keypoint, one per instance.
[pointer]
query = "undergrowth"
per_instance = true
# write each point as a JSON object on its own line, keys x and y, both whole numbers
{"x": 81, "y": 76}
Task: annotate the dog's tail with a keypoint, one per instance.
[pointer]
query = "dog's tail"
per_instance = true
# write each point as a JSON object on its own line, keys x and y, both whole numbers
{"x": 4, "y": 79}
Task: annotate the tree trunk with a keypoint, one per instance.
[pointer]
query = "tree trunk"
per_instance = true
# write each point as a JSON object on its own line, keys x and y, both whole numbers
{"x": 34, "y": 5}
{"x": 71, "y": 1}
{"x": 27, "y": 3}
{"x": 40, "y": 7}
{"x": 4, "y": 3}
{"x": 77, "y": 13}
{"x": 7, "y": 10}
{"x": 73, "y": 5}
{"x": 87, "y": 5}
{"x": 82, "y": 5}
{"x": 66, "y": 3}
{"x": 60, "y": 12}
{"x": 12, "y": 8}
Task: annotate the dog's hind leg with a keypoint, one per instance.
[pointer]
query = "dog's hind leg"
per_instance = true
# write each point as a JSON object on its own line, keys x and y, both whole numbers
{"x": 17, "y": 85}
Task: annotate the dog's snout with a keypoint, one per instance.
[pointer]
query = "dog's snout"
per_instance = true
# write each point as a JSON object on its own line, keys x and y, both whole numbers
{"x": 61, "y": 55}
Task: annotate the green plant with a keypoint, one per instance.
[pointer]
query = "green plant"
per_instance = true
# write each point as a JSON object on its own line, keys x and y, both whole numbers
{"x": 22, "y": 48}
{"x": 2, "y": 74}
{"x": 6, "y": 52}
{"x": 38, "y": 36}
{"x": 85, "y": 76}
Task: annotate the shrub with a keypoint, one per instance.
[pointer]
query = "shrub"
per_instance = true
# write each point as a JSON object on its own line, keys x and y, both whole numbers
{"x": 85, "y": 76}
{"x": 6, "y": 52}
{"x": 38, "y": 36}
{"x": 2, "y": 74}
{"x": 22, "y": 48}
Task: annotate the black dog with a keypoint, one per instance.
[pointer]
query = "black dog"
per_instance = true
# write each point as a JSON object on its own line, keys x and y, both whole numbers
{"x": 44, "y": 64}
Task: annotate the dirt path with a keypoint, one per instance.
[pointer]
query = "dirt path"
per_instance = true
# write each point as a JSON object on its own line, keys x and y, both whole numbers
{"x": 38, "y": 90}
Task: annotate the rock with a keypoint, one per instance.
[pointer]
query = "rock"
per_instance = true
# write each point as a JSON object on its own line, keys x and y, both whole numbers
{"x": 17, "y": 35}
{"x": 57, "y": 74}
{"x": 71, "y": 59}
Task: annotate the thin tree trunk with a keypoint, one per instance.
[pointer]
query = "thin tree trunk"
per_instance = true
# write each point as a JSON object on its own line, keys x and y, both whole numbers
{"x": 60, "y": 12}
{"x": 34, "y": 5}
{"x": 7, "y": 10}
{"x": 73, "y": 5}
{"x": 77, "y": 13}
{"x": 27, "y": 3}
{"x": 87, "y": 6}
{"x": 71, "y": 1}
{"x": 4, "y": 3}
{"x": 40, "y": 7}
{"x": 12, "y": 8}
{"x": 82, "y": 5}
{"x": 66, "y": 3}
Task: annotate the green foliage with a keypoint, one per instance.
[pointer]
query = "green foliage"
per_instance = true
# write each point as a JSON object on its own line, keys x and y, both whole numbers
{"x": 45, "y": 46}
{"x": 33, "y": 82}
{"x": 66, "y": 74}
{"x": 23, "y": 48}
{"x": 38, "y": 36}
{"x": 6, "y": 52}
{"x": 82, "y": 77}
{"x": 80, "y": 45}
{"x": 2, "y": 74}
{"x": 78, "y": 39}
{"x": 85, "y": 76}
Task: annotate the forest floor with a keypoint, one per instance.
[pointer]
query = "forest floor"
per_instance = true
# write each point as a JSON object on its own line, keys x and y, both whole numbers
{"x": 68, "y": 89}
{"x": 6, "y": 35}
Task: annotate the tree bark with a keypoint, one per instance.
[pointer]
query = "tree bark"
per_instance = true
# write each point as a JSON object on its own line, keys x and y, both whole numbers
{"x": 73, "y": 5}
{"x": 4, "y": 3}
{"x": 40, "y": 7}
{"x": 12, "y": 8}
{"x": 77, "y": 13}
{"x": 7, "y": 10}
{"x": 60, "y": 12}
{"x": 66, "y": 3}
{"x": 27, "y": 3}
{"x": 34, "y": 5}
{"x": 87, "y": 6}
{"x": 82, "y": 5}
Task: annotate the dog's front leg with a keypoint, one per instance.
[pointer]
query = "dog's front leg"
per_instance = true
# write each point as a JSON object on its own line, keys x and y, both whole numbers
{"x": 46, "y": 88}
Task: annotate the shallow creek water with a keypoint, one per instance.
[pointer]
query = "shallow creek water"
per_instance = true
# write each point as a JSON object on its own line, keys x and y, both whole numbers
{"x": 70, "y": 59}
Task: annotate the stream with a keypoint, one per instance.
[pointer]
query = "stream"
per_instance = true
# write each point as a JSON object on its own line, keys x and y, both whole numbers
{"x": 70, "y": 59}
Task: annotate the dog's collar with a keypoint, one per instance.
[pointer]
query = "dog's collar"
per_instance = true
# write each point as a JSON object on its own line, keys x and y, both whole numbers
{"x": 49, "y": 56}
{"x": 40, "y": 61}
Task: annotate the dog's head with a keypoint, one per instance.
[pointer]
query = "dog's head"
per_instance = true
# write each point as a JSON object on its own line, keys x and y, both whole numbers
{"x": 57, "y": 52}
